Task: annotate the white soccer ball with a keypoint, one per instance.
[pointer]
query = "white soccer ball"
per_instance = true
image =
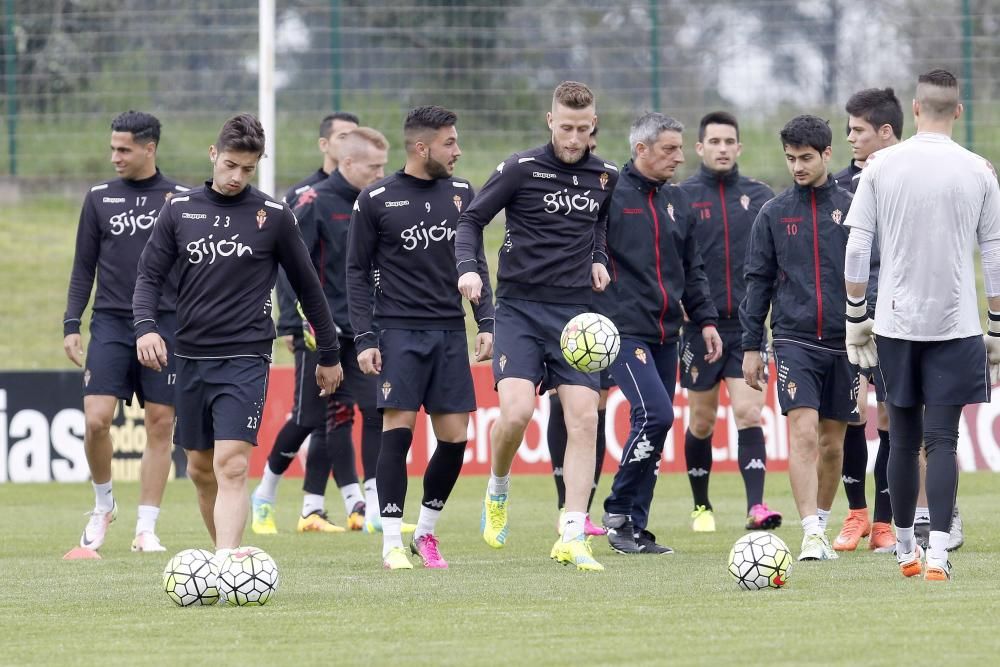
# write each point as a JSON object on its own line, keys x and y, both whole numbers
{"x": 590, "y": 342}
{"x": 190, "y": 578}
{"x": 760, "y": 560}
{"x": 248, "y": 577}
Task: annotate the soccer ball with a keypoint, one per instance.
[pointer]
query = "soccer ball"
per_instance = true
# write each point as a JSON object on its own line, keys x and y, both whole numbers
{"x": 590, "y": 342}
{"x": 760, "y": 560}
{"x": 248, "y": 577}
{"x": 190, "y": 578}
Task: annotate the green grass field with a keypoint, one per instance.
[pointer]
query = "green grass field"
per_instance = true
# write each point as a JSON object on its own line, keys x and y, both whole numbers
{"x": 515, "y": 606}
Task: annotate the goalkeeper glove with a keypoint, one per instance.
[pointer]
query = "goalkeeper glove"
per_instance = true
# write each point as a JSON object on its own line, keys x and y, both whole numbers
{"x": 992, "y": 340}
{"x": 860, "y": 344}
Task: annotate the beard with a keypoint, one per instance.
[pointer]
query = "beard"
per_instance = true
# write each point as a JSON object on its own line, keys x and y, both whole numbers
{"x": 566, "y": 156}
{"x": 435, "y": 169}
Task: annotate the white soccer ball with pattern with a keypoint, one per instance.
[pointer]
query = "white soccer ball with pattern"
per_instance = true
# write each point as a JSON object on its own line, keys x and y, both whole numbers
{"x": 190, "y": 578}
{"x": 760, "y": 560}
{"x": 590, "y": 342}
{"x": 248, "y": 577}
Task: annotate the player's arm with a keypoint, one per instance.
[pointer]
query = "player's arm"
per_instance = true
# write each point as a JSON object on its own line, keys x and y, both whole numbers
{"x": 860, "y": 261}
{"x": 697, "y": 297}
{"x": 760, "y": 272}
{"x": 988, "y": 234}
{"x": 81, "y": 279}
{"x": 362, "y": 241}
{"x": 294, "y": 259}
{"x": 155, "y": 264}
{"x": 484, "y": 311}
{"x": 599, "y": 269}
{"x": 289, "y": 323}
{"x": 495, "y": 195}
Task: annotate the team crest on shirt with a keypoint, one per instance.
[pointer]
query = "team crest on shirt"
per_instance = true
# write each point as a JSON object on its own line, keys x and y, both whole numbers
{"x": 604, "y": 180}
{"x": 694, "y": 373}
{"x": 458, "y": 202}
{"x": 261, "y": 218}
{"x": 745, "y": 202}
{"x": 86, "y": 377}
{"x": 386, "y": 389}
{"x": 837, "y": 216}
{"x": 670, "y": 212}
{"x": 792, "y": 388}
{"x": 640, "y": 354}
{"x": 503, "y": 362}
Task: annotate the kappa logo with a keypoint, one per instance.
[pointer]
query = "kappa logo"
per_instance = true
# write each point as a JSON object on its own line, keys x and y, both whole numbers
{"x": 792, "y": 389}
{"x": 745, "y": 202}
{"x": 603, "y": 178}
{"x": 643, "y": 450}
{"x": 697, "y": 472}
{"x": 458, "y": 202}
{"x": 397, "y": 204}
{"x": 503, "y": 362}
{"x": 386, "y": 389}
{"x": 670, "y": 212}
{"x": 391, "y": 508}
{"x": 755, "y": 464}
{"x": 113, "y": 200}
{"x": 837, "y": 216}
{"x": 261, "y": 218}
{"x": 542, "y": 174}
{"x": 847, "y": 479}
{"x": 435, "y": 504}
{"x": 695, "y": 373}
{"x": 86, "y": 378}
{"x": 640, "y": 354}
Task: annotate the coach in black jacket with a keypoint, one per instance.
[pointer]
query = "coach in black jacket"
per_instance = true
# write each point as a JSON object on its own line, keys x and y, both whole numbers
{"x": 655, "y": 269}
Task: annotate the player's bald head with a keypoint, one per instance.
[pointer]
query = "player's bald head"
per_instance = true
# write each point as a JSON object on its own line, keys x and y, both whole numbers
{"x": 937, "y": 94}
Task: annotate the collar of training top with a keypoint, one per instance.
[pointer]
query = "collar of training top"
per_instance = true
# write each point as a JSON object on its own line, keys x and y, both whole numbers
{"x": 145, "y": 183}
{"x": 223, "y": 200}
{"x": 713, "y": 177}
{"x": 640, "y": 182}
{"x": 822, "y": 191}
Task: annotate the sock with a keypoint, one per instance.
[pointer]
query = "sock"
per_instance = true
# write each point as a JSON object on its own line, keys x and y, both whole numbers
{"x": 340, "y": 449}
{"x": 937, "y": 546}
{"x": 752, "y": 457}
{"x": 883, "y": 505}
{"x": 810, "y": 525}
{"x": 147, "y": 519}
{"x": 267, "y": 490}
{"x": 904, "y": 536}
{"x": 573, "y": 526}
{"x": 391, "y": 477}
{"x": 392, "y": 536}
{"x": 823, "y": 516}
{"x": 312, "y": 503}
{"x": 317, "y": 469}
{"x": 104, "y": 499}
{"x": 602, "y": 446}
{"x": 855, "y": 465}
{"x": 371, "y": 498}
{"x": 442, "y": 473}
{"x": 371, "y": 441}
{"x": 698, "y": 457}
{"x": 426, "y": 522}
{"x": 556, "y": 437}
{"x": 286, "y": 445}
{"x": 922, "y": 515}
{"x": 352, "y": 496}
{"x": 498, "y": 486}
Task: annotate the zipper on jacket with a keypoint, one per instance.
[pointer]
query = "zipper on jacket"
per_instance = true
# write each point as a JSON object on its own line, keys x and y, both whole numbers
{"x": 725, "y": 229}
{"x": 819, "y": 286}
{"x": 659, "y": 275}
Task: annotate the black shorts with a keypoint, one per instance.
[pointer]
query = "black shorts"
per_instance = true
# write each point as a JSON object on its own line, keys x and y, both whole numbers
{"x": 811, "y": 377}
{"x": 700, "y": 375}
{"x": 874, "y": 380}
{"x": 356, "y": 389}
{"x": 308, "y": 409}
{"x": 112, "y": 365}
{"x": 526, "y": 344}
{"x": 219, "y": 399}
{"x": 942, "y": 372}
{"x": 425, "y": 368}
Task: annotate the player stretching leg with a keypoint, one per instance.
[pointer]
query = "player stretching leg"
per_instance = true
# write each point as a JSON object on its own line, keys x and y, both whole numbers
{"x": 402, "y": 231}
{"x": 115, "y": 223}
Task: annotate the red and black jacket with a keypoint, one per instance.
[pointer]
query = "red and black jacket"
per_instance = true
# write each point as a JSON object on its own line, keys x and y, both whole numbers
{"x": 725, "y": 206}
{"x": 795, "y": 267}
{"x": 654, "y": 262}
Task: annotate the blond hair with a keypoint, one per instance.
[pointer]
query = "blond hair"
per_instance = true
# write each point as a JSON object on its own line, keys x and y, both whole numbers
{"x": 573, "y": 95}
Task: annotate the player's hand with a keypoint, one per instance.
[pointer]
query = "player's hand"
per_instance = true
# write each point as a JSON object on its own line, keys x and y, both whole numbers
{"x": 992, "y": 340}
{"x": 74, "y": 348}
{"x": 471, "y": 286}
{"x": 329, "y": 378}
{"x": 289, "y": 341}
{"x": 152, "y": 351}
{"x": 484, "y": 346}
{"x": 753, "y": 370}
{"x": 860, "y": 344}
{"x": 370, "y": 361}
{"x": 599, "y": 278}
{"x": 713, "y": 343}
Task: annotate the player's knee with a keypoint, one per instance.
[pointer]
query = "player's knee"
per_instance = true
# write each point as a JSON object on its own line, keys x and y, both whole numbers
{"x": 231, "y": 468}
{"x": 581, "y": 428}
{"x": 97, "y": 424}
{"x": 746, "y": 416}
{"x": 517, "y": 418}
{"x": 200, "y": 474}
{"x": 159, "y": 426}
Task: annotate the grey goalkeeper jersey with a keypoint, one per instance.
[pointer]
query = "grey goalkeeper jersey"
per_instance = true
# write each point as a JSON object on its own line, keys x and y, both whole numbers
{"x": 929, "y": 203}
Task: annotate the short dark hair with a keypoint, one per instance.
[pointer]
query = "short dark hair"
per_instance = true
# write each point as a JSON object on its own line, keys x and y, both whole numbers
{"x": 242, "y": 134}
{"x": 426, "y": 118}
{"x": 144, "y": 127}
{"x": 806, "y": 130}
{"x": 941, "y": 78}
{"x": 877, "y": 107}
{"x": 717, "y": 118}
{"x": 943, "y": 101}
{"x": 326, "y": 125}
